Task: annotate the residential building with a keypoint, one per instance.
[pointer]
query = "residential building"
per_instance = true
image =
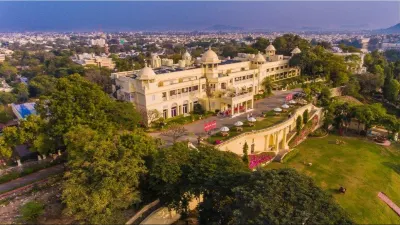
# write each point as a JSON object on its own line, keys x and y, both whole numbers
{"x": 86, "y": 59}
{"x": 228, "y": 86}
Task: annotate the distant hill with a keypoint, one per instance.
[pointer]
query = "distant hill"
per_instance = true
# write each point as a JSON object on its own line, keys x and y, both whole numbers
{"x": 220, "y": 27}
{"x": 391, "y": 30}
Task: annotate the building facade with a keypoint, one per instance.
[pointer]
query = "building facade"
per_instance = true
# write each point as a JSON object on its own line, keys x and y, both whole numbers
{"x": 87, "y": 59}
{"x": 228, "y": 86}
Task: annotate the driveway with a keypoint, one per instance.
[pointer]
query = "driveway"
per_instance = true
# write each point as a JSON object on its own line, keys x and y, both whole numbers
{"x": 197, "y": 128}
{"x": 28, "y": 179}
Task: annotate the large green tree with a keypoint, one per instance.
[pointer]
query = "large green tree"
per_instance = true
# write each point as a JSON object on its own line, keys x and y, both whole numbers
{"x": 269, "y": 197}
{"x": 103, "y": 173}
{"x": 42, "y": 85}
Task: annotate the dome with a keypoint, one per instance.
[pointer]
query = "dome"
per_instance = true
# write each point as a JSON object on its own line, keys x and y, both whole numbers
{"x": 146, "y": 73}
{"x": 154, "y": 56}
{"x": 210, "y": 57}
{"x": 270, "y": 48}
{"x": 186, "y": 55}
{"x": 259, "y": 58}
{"x": 296, "y": 51}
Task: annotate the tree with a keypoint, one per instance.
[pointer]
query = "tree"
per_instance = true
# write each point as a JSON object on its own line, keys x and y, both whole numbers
{"x": 393, "y": 90}
{"x": 370, "y": 82}
{"x": 124, "y": 115}
{"x": 103, "y": 173}
{"x": 175, "y": 131}
{"x": 261, "y": 44}
{"x": 7, "y": 98}
{"x": 178, "y": 173}
{"x": 149, "y": 116}
{"x": 257, "y": 201}
{"x": 42, "y": 85}
{"x": 5, "y": 149}
{"x": 305, "y": 116}
{"x": 267, "y": 83}
{"x": 21, "y": 92}
{"x": 245, "y": 156}
{"x": 352, "y": 88}
{"x": 286, "y": 43}
{"x": 299, "y": 123}
{"x": 30, "y": 211}
{"x": 8, "y": 71}
{"x": 99, "y": 76}
{"x": 198, "y": 109}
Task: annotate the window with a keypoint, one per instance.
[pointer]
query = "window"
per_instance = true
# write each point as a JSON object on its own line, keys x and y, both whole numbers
{"x": 272, "y": 69}
{"x": 267, "y": 70}
{"x": 165, "y": 114}
{"x": 171, "y": 93}
{"x": 277, "y": 68}
{"x": 184, "y": 90}
{"x": 179, "y": 91}
{"x": 195, "y": 88}
{"x": 164, "y": 94}
{"x": 223, "y": 86}
{"x": 281, "y": 67}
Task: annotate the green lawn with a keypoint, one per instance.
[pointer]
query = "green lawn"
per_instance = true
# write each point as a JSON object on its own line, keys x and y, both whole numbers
{"x": 361, "y": 166}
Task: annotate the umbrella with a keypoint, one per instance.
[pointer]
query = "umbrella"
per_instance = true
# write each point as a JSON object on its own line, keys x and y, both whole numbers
{"x": 252, "y": 119}
{"x": 285, "y": 106}
{"x": 278, "y": 110}
{"x": 238, "y": 124}
{"x": 224, "y": 129}
{"x": 292, "y": 102}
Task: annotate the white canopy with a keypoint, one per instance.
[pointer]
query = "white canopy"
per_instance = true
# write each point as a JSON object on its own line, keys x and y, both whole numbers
{"x": 285, "y": 106}
{"x": 292, "y": 102}
{"x": 278, "y": 110}
{"x": 224, "y": 129}
{"x": 238, "y": 123}
{"x": 252, "y": 119}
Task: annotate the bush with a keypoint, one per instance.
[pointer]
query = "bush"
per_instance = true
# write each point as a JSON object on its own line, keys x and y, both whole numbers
{"x": 31, "y": 211}
{"x": 299, "y": 122}
{"x": 319, "y": 133}
{"x": 198, "y": 109}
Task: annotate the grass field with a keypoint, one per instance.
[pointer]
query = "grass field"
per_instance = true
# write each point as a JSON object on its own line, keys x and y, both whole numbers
{"x": 361, "y": 166}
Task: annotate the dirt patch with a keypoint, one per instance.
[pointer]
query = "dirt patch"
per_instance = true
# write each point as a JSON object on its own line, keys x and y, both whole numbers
{"x": 49, "y": 195}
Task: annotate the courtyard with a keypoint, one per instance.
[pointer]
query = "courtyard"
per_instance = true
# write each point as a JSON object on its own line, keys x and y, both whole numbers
{"x": 360, "y": 166}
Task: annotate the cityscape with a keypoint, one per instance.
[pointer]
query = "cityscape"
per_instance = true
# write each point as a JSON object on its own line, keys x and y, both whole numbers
{"x": 200, "y": 112}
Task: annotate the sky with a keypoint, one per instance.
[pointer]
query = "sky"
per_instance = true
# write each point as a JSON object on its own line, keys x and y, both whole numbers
{"x": 153, "y": 16}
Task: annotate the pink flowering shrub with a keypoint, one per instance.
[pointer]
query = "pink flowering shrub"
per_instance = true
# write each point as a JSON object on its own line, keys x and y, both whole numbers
{"x": 255, "y": 160}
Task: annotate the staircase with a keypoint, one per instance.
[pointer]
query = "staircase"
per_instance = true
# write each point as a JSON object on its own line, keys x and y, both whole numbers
{"x": 281, "y": 154}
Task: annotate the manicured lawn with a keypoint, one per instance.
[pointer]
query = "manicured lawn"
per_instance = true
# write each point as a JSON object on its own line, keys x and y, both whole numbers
{"x": 361, "y": 166}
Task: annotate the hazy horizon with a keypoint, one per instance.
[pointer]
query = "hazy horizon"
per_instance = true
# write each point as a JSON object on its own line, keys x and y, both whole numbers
{"x": 162, "y": 16}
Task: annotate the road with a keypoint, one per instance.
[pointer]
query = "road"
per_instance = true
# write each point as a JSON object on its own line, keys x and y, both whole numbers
{"x": 197, "y": 128}
{"x": 28, "y": 179}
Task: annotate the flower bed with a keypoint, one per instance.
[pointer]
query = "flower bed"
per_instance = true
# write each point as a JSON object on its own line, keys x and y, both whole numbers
{"x": 256, "y": 160}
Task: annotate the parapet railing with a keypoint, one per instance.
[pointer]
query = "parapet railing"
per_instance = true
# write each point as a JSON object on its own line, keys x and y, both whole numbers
{"x": 283, "y": 123}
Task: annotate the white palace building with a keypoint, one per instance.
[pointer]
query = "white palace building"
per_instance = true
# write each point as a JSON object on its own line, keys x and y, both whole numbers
{"x": 174, "y": 89}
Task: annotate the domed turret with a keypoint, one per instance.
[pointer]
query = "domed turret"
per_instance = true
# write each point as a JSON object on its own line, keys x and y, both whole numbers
{"x": 270, "y": 47}
{"x": 270, "y": 50}
{"x": 186, "y": 56}
{"x": 146, "y": 73}
{"x": 259, "y": 58}
{"x": 210, "y": 57}
{"x": 295, "y": 51}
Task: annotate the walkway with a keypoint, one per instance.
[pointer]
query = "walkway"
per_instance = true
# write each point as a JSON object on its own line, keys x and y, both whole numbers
{"x": 28, "y": 179}
{"x": 260, "y": 106}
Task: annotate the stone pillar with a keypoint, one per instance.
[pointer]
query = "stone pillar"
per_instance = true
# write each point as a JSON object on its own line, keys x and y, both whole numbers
{"x": 266, "y": 142}
{"x": 59, "y": 152}
{"x": 284, "y": 139}
{"x": 252, "y": 103}
{"x": 44, "y": 156}
{"x": 277, "y": 141}
{"x": 19, "y": 162}
{"x": 245, "y": 106}
{"x": 39, "y": 158}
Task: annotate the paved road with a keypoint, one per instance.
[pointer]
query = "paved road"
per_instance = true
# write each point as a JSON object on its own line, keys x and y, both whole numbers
{"x": 267, "y": 104}
{"x": 42, "y": 174}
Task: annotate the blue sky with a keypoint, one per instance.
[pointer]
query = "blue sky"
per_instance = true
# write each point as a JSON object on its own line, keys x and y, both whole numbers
{"x": 123, "y": 16}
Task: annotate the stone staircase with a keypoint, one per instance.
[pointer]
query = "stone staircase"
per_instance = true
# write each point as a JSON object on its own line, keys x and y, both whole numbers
{"x": 281, "y": 154}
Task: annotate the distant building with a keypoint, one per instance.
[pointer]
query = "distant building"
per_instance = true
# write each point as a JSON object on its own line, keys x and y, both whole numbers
{"x": 86, "y": 59}
{"x": 389, "y": 46}
{"x": 99, "y": 42}
{"x": 2, "y": 57}
{"x": 360, "y": 68}
{"x": 175, "y": 89}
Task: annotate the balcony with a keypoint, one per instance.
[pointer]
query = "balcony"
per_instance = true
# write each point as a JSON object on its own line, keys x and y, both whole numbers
{"x": 240, "y": 97}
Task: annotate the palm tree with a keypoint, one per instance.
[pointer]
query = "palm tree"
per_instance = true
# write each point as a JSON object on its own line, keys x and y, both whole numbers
{"x": 267, "y": 83}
